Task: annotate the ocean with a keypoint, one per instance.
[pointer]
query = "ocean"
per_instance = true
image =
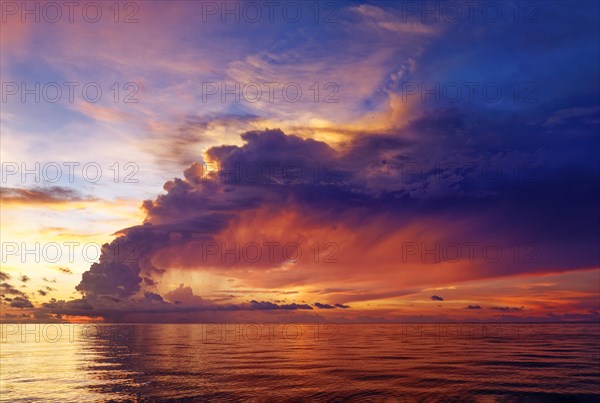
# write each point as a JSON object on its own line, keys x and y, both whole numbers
{"x": 283, "y": 362}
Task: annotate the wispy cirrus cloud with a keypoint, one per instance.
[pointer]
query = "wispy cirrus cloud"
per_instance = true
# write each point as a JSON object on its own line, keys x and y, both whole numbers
{"x": 42, "y": 195}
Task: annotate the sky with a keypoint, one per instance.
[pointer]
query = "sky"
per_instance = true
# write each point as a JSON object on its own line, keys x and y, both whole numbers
{"x": 356, "y": 161}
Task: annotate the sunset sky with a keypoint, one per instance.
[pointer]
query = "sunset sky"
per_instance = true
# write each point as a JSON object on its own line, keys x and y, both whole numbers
{"x": 346, "y": 162}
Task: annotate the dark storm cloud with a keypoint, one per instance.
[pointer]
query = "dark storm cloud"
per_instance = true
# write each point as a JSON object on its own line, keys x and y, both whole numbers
{"x": 196, "y": 208}
{"x": 21, "y": 302}
{"x": 113, "y": 309}
{"x": 434, "y": 167}
{"x": 148, "y": 281}
{"x": 153, "y": 297}
{"x": 8, "y": 289}
{"x": 41, "y": 195}
{"x": 265, "y": 305}
{"x": 4, "y": 276}
{"x": 274, "y": 148}
{"x": 24, "y": 278}
{"x": 74, "y": 307}
{"x": 324, "y": 306}
{"x": 342, "y": 306}
{"x": 117, "y": 273}
{"x": 473, "y": 307}
{"x": 436, "y": 298}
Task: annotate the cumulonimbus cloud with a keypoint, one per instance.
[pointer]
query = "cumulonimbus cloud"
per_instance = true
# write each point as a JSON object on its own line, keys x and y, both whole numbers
{"x": 390, "y": 189}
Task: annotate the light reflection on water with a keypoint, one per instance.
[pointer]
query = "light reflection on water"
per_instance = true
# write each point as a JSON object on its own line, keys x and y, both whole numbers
{"x": 472, "y": 362}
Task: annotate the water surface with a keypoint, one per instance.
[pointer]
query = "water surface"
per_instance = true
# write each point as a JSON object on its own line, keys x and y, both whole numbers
{"x": 461, "y": 362}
